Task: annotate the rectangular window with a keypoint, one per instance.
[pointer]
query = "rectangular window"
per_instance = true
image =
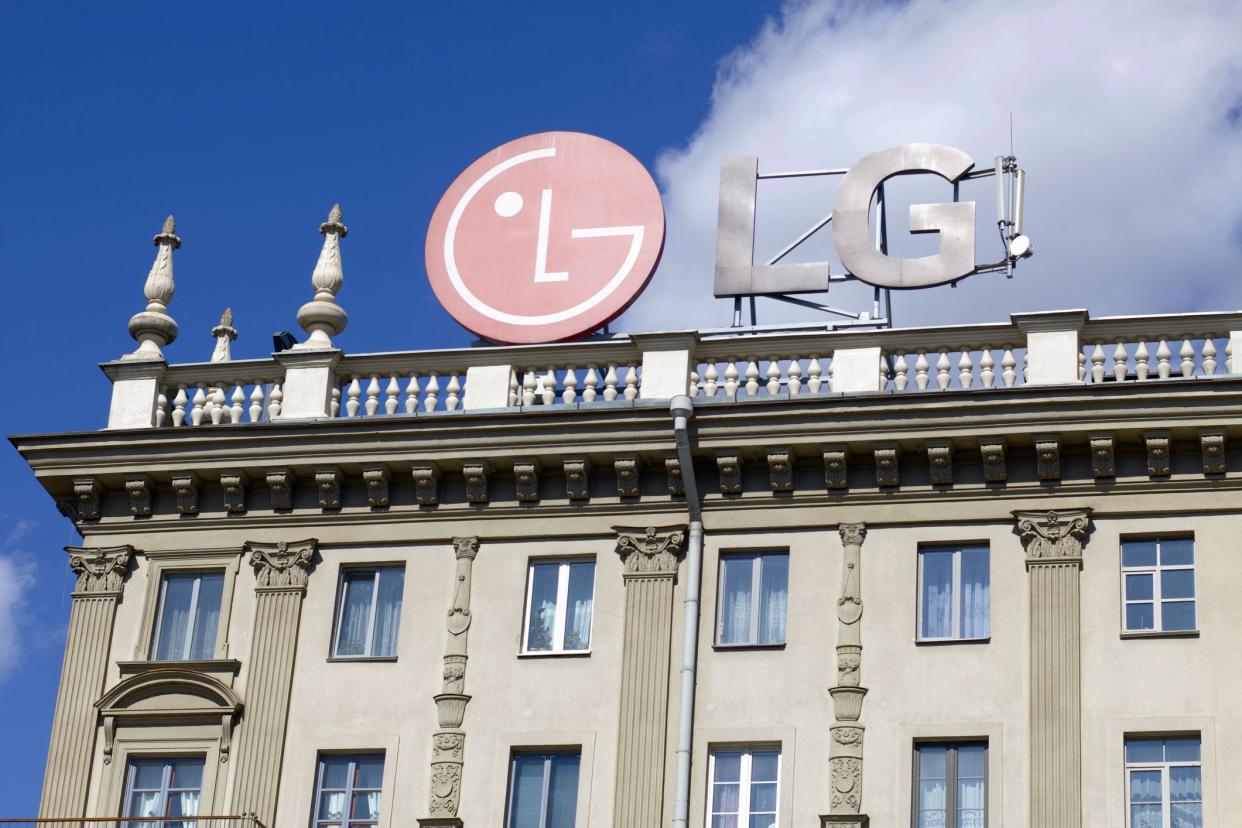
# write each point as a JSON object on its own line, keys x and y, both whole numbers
{"x": 1158, "y": 584}
{"x": 1164, "y": 783}
{"x": 163, "y": 787}
{"x": 560, "y": 599}
{"x": 543, "y": 790}
{"x": 951, "y": 785}
{"x": 347, "y": 790}
{"x": 188, "y": 616}
{"x": 368, "y": 613}
{"x": 954, "y": 592}
{"x": 754, "y": 591}
{"x": 745, "y": 786}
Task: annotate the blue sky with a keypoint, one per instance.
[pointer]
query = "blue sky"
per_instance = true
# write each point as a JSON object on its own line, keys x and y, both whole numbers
{"x": 248, "y": 120}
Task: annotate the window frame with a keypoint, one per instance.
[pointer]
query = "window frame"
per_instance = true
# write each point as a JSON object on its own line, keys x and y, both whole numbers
{"x": 957, "y": 547}
{"x": 950, "y": 777}
{"x": 165, "y": 789}
{"x": 564, "y": 568}
{"x": 756, "y": 587}
{"x": 349, "y": 790}
{"x": 1166, "y": 804}
{"x": 338, "y": 614}
{"x": 745, "y": 780}
{"x": 177, "y": 561}
{"x": 547, "y": 754}
{"x": 1155, "y": 571}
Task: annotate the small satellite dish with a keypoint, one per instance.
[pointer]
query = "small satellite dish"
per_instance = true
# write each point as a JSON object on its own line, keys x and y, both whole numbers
{"x": 1020, "y": 247}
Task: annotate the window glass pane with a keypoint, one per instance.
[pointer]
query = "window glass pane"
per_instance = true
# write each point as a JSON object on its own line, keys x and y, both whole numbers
{"x": 580, "y": 605}
{"x": 1145, "y": 816}
{"x": 1144, "y": 750}
{"x": 1186, "y": 815}
{"x": 388, "y": 612}
{"x": 148, "y": 774}
{"x": 1185, "y": 784}
{"x": 764, "y": 765}
{"x": 724, "y": 821}
{"x": 774, "y": 584}
{"x": 369, "y": 772}
{"x": 1139, "y": 587}
{"x": 1145, "y": 786}
{"x": 145, "y": 803}
{"x": 527, "y": 795}
{"x": 355, "y": 613}
{"x": 1140, "y": 617}
{"x": 970, "y": 818}
{"x": 1177, "y": 583}
{"x": 332, "y": 805}
{"x": 728, "y": 767}
{"x": 976, "y": 589}
{"x": 1178, "y": 615}
{"x": 763, "y": 797}
{"x": 183, "y": 803}
{"x": 186, "y": 773}
{"x": 937, "y": 618}
{"x": 726, "y": 798}
{"x": 931, "y": 819}
{"x": 174, "y": 623}
{"x": 762, "y": 820}
{"x": 1138, "y": 553}
{"x": 365, "y": 806}
{"x": 735, "y": 609}
{"x": 1182, "y": 750}
{"x": 207, "y": 615}
{"x": 542, "y": 606}
{"x": 1177, "y": 551}
{"x": 970, "y": 762}
{"x": 563, "y": 791}
{"x": 335, "y": 771}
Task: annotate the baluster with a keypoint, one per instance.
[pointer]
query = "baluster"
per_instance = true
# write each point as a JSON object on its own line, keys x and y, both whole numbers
{"x": 901, "y": 372}
{"x": 731, "y": 376}
{"x": 1187, "y": 353}
{"x": 1026, "y": 366}
{"x": 965, "y": 370}
{"x": 179, "y": 404}
{"x": 431, "y": 394}
{"x": 694, "y": 382}
{"x": 774, "y": 376}
{"x": 569, "y": 392}
{"x": 1082, "y": 366}
{"x": 219, "y": 411}
{"x": 549, "y": 387}
{"x": 1163, "y": 357}
{"x": 392, "y": 394}
{"x": 709, "y": 380}
{"x": 277, "y": 397}
{"x": 352, "y": 396}
{"x": 1141, "y": 366}
{"x": 592, "y": 381}
{"x": 1229, "y": 355}
{"x": 942, "y": 370}
{"x": 1097, "y": 363}
{"x": 752, "y": 377}
{"x": 1121, "y": 360}
{"x": 631, "y": 383}
{"x": 1209, "y": 357}
{"x": 529, "y": 386}
{"x": 373, "y": 395}
{"x": 200, "y": 400}
{"x": 411, "y": 395}
{"x": 832, "y": 371}
{"x": 794, "y": 372}
{"x": 921, "y": 369}
{"x": 453, "y": 393}
{"x": 256, "y": 402}
{"x": 610, "y": 382}
{"x": 513, "y": 389}
{"x": 161, "y": 406}
{"x": 239, "y": 402}
{"x": 987, "y": 374}
{"x": 883, "y": 372}
{"x": 334, "y": 406}
{"x": 814, "y": 373}
{"x": 1008, "y": 375}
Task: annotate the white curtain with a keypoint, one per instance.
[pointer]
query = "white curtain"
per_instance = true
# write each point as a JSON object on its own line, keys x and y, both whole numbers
{"x": 175, "y": 618}
{"x": 975, "y": 592}
{"x": 355, "y": 613}
{"x": 388, "y": 612}
{"x": 937, "y": 594}
{"x": 773, "y": 607}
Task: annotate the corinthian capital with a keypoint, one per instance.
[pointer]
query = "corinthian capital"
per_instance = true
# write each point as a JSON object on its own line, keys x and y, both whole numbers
{"x": 1053, "y": 537}
{"x": 852, "y": 534}
{"x": 651, "y": 550}
{"x": 466, "y": 548}
{"x": 101, "y": 571}
{"x": 284, "y": 565}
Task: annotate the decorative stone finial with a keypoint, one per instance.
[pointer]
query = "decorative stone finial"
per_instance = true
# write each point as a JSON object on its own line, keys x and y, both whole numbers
{"x": 322, "y": 317}
{"x": 153, "y": 327}
{"x": 224, "y": 333}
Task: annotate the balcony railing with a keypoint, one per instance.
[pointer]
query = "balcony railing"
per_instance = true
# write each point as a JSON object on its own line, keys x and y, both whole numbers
{"x": 242, "y": 821}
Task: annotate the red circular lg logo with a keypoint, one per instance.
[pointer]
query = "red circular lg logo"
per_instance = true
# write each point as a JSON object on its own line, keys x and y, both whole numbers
{"x": 546, "y": 238}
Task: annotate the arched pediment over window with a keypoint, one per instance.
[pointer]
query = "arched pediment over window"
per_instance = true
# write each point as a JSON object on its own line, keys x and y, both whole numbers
{"x": 170, "y": 696}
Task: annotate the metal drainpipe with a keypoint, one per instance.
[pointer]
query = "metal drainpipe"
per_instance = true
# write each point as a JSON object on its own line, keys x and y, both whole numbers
{"x": 682, "y": 410}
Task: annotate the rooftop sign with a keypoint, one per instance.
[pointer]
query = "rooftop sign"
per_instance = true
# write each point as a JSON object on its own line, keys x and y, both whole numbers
{"x": 545, "y": 238}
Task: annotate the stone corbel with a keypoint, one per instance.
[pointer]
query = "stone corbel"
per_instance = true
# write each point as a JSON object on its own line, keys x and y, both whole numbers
{"x": 729, "y": 468}
{"x": 626, "y": 466}
{"x": 992, "y": 450}
{"x": 940, "y": 462}
{"x": 101, "y": 570}
{"x": 1103, "y": 454}
{"x": 1157, "y": 443}
{"x": 233, "y": 482}
{"x": 375, "y": 476}
{"x": 139, "y": 489}
{"x": 426, "y": 483}
{"x": 1048, "y": 456}
{"x": 280, "y": 488}
{"x": 476, "y": 473}
{"x": 526, "y": 478}
{"x": 577, "y": 478}
{"x": 1054, "y": 536}
{"x": 283, "y": 565}
{"x": 836, "y": 463}
{"x": 780, "y": 469}
{"x": 185, "y": 487}
{"x": 1212, "y": 444}
{"x": 887, "y": 471}
{"x": 328, "y": 482}
{"x": 226, "y": 735}
{"x": 87, "y": 497}
{"x": 676, "y": 483}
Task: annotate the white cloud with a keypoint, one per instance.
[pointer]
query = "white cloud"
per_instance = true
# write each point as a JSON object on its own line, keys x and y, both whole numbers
{"x": 17, "y": 577}
{"x": 1128, "y": 120}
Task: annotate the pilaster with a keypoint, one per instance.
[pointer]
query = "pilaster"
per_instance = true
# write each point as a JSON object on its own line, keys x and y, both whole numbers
{"x": 101, "y": 580}
{"x": 281, "y": 572}
{"x": 651, "y": 559}
{"x": 1054, "y": 550}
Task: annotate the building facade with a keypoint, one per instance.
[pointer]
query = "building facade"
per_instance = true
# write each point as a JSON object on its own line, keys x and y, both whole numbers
{"x": 975, "y": 575}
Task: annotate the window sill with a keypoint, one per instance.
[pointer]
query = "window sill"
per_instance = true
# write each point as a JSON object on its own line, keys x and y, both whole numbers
{"x": 363, "y": 659}
{"x": 205, "y": 665}
{"x": 1159, "y": 634}
{"x": 943, "y": 642}
{"x": 556, "y": 654}
{"x": 735, "y": 647}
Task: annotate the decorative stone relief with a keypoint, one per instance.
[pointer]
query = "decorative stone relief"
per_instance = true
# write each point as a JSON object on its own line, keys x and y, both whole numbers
{"x": 328, "y": 482}
{"x": 1157, "y": 443}
{"x": 940, "y": 462}
{"x": 992, "y": 450}
{"x": 280, "y": 488}
{"x": 138, "y": 487}
{"x": 476, "y": 473}
{"x": 233, "y": 482}
{"x": 676, "y": 483}
{"x": 376, "y": 479}
{"x": 283, "y": 565}
{"x": 448, "y": 749}
{"x": 426, "y": 483}
{"x": 526, "y": 477}
{"x": 729, "y": 467}
{"x": 577, "y": 482}
{"x": 886, "y": 468}
{"x": 845, "y": 753}
{"x": 780, "y": 470}
{"x": 88, "y": 496}
{"x": 1103, "y": 455}
{"x": 653, "y": 550}
{"x": 1053, "y": 536}
{"x": 185, "y": 487}
{"x": 1048, "y": 456}
{"x": 626, "y": 466}
{"x": 1212, "y": 443}
{"x": 836, "y": 459}
{"x": 846, "y": 784}
{"x": 100, "y": 570}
